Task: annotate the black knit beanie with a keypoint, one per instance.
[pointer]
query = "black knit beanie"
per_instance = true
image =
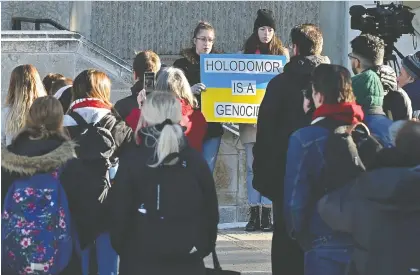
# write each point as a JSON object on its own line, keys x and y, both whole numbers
{"x": 264, "y": 18}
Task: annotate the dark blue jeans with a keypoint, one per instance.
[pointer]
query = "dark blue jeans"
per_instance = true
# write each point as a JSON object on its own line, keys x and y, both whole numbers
{"x": 327, "y": 260}
{"x": 107, "y": 258}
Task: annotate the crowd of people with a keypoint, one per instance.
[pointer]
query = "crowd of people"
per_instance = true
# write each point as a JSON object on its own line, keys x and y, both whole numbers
{"x": 335, "y": 157}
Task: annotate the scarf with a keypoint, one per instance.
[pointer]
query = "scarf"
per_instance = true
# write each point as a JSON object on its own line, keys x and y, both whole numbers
{"x": 89, "y": 102}
{"x": 346, "y": 112}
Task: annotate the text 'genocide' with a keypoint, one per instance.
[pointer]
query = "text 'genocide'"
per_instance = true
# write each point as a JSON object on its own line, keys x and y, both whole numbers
{"x": 236, "y": 110}
{"x": 225, "y": 65}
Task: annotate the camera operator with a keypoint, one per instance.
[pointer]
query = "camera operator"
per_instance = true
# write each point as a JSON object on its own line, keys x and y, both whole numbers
{"x": 368, "y": 54}
{"x": 409, "y": 80}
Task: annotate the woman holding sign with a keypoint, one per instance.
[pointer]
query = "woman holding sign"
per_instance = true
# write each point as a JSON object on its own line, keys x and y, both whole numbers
{"x": 263, "y": 40}
{"x": 203, "y": 43}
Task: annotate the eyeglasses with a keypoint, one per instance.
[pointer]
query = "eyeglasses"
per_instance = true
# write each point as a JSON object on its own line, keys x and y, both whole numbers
{"x": 203, "y": 39}
{"x": 352, "y": 57}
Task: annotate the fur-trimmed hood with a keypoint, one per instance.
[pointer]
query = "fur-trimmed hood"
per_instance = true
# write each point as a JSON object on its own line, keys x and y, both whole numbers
{"x": 30, "y": 165}
{"x": 192, "y": 56}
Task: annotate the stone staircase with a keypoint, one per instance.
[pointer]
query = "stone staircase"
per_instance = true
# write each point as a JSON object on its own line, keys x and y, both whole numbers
{"x": 69, "y": 53}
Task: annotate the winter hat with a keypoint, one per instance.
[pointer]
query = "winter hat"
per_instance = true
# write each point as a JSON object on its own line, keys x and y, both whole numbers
{"x": 411, "y": 63}
{"x": 367, "y": 88}
{"x": 264, "y": 18}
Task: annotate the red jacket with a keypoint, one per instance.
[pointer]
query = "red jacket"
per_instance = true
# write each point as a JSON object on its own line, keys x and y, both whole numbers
{"x": 190, "y": 118}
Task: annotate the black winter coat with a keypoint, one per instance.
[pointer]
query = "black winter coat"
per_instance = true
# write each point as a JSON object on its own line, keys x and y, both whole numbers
{"x": 26, "y": 157}
{"x": 190, "y": 65}
{"x": 280, "y": 114}
{"x": 397, "y": 104}
{"x": 381, "y": 210}
{"x": 125, "y": 105}
{"x": 88, "y": 181}
{"x": 126, "y": 235}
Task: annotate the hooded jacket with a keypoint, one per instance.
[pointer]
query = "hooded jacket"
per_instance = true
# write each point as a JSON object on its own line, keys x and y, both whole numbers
{"x": 397, "y": 104}
{"x": 381, "y": 210}
{"x": 26, "y": 157}
{"x": 127, "y": 195}
{"x": 88, "y": 179}
{"x": 190, "y": 65}
{"x": 280, "y": 114}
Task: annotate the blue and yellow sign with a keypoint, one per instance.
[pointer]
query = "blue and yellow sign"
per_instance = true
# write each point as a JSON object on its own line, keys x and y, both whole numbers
{"x": 236, "y": 85}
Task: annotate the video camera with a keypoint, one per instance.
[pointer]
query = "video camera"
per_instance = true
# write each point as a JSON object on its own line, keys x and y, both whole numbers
{"x": 383, "y": 20}
{"x": 388, "y": 22}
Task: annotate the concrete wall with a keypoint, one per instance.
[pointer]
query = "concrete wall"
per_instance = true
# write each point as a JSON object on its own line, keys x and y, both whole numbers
{"x": 167, "y": 27}
{"x": 55, "y": 10}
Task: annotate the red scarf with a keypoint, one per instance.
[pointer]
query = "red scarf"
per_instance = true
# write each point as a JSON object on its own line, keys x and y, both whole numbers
{"x": 347, "y": 112}
{"x": 89, "y": 102}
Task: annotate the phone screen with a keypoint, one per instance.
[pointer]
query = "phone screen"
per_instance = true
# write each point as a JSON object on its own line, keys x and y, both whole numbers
{"x": 149, "y": 82}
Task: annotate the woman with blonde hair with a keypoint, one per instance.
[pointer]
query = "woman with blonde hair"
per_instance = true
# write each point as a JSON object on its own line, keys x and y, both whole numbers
{"x": 101, "y": 135}
{"x": 173, "y": 80}
{"x": 25, "y": 86}
{"x": 164, "y": 205}
{"x": 32, "y": 162}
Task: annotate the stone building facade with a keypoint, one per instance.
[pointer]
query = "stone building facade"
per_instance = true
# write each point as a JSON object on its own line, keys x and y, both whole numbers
{"x": 121, "y": 28}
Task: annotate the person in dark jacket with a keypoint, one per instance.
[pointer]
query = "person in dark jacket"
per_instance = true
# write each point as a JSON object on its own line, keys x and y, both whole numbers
{"x": 91, "y": 100}
{"x": 368, "y": 54}
{"x": 188, "y": 207}
{"x": 326, "y": 252}
{"x": 280, "y": 114}
{"x": 369, "y": 94}
{"x": 263, "y": 40}
{"x": 381, "y": 210}
{"x": 145, "y": 61}
{"x": 203, "y": 43}
{"x": 42, "y": 146}
{"x": 409, "y": 80}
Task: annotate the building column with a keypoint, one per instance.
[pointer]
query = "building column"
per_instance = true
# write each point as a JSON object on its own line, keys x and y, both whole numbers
{"x": 334, "y": 22}
{"x": 80, "y": 17}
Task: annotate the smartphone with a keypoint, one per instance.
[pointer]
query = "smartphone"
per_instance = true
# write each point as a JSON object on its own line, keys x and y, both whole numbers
{"x": 149, "y": 82}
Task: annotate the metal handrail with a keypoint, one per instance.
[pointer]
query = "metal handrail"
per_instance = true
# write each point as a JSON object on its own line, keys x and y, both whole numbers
{"x": 17, "y": 23}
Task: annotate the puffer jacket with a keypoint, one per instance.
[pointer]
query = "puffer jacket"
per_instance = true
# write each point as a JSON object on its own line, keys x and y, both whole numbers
{"x": 26, "y": 157}
{"x": 397, "y": 104}
{"x": 381, "y": 211}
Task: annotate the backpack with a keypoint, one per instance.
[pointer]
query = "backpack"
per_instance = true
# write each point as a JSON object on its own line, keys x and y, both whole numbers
{"x": 96, "y": 147}
{"x": 169, "y": 220}
{"x": 36, "y": 226}
{"x": 349, "y": 151}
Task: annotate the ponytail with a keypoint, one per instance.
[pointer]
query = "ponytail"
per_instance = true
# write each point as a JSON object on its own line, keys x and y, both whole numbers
{"x": 168, "y": 142}
{"x": 162, "y": 112}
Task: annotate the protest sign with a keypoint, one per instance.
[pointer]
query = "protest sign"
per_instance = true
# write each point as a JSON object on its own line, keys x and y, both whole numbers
{"x": 236, "y": 85}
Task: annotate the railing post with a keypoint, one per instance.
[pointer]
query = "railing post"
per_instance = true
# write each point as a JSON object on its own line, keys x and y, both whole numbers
{"x": 16, "y": 24}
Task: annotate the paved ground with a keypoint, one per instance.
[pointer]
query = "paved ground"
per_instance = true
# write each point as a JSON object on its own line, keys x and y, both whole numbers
{"x": 248, "y": 253}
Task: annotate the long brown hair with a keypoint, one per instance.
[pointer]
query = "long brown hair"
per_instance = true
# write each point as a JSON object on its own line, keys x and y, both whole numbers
{"x": 25, "y": 86}
{"x": 275, "y": 46}
{"x": 45, "y": 119}
{"x": 92, "y": 84}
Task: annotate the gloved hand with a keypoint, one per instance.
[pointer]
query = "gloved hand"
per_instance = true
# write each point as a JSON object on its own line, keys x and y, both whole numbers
{"x": 198, "y": 88}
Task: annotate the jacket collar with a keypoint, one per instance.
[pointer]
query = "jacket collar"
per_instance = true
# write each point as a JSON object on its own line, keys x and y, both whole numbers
{"x": 305, "y": 64}
{"x": 30, "y": 165}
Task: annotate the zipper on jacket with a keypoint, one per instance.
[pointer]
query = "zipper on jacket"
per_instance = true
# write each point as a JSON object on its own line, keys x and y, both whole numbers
{"x": 158, "y": 197}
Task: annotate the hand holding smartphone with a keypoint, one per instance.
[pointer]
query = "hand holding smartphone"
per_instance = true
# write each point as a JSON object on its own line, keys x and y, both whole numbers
{"x": 149, "y": 82}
